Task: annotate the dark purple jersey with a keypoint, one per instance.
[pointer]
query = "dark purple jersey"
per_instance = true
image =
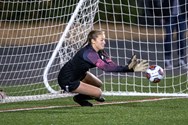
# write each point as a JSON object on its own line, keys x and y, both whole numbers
{"x": 85, "y": 59}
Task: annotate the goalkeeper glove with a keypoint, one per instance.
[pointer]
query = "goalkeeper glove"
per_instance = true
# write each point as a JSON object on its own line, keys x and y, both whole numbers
{"x": 137, "y": 66}
{"x": 141, "y": 66}
{"x": 132, "y": 63}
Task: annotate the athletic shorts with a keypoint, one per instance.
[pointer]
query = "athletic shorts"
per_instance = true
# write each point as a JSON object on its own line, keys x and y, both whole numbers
{"x": 67, "y": 85}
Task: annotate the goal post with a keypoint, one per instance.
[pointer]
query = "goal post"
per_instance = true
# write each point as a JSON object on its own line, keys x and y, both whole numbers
{"x": 38, "y": 37}
{"x": 81, "y": 21}
{"x": 59, "y": 45}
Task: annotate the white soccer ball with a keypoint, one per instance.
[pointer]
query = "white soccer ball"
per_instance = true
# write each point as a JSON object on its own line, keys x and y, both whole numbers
{"x": 155, "y": 73}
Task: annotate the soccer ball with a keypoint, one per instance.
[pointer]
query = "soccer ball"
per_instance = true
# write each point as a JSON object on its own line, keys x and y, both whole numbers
{"x": 154, "y": 73}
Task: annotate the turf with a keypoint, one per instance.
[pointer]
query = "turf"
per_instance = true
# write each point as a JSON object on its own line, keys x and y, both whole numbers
{"x": 164, "y": 112}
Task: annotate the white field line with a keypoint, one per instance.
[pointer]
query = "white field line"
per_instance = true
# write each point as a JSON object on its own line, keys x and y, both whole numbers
{"x": 99, "y": 104}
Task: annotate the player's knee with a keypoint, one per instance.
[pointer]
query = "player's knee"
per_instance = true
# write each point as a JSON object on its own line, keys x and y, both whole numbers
{"x": 96, "y": 93}
{"x": 100, "y": 84}
{"x": 99, "y": 94}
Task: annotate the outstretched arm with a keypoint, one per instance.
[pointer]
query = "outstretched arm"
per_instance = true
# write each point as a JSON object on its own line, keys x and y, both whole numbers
{"x": 110, "y": 66}
{"x": 103, "y": 62}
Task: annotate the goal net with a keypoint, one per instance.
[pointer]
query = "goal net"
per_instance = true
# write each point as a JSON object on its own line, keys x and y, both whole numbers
{"x": 39, "y": 37}
{"x": 154, "y": 30}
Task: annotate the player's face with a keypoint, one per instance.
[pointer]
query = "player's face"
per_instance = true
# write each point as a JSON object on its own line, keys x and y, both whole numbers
{"x": 99, "y": 42}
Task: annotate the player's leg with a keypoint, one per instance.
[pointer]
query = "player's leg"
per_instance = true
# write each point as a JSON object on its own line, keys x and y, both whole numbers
{"x": 169, "y": 26}
{"x": 89, "y": 90}
{"x": 86, "y": 92}
{"x": 92, "y": 80}
{"x": 181, "y": 28}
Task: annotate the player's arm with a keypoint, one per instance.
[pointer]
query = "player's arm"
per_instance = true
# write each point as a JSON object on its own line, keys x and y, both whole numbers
{"x": 105, "y": 64}
{"x": 110, "y": 66}
{"x": 134, "y": 65}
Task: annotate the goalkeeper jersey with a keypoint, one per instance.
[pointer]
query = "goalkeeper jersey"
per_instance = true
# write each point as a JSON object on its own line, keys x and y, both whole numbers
{"x": 87, "y": 58}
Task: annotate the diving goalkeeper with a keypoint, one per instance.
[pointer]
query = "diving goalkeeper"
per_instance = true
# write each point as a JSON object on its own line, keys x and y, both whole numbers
{"x": 75, "y": 77}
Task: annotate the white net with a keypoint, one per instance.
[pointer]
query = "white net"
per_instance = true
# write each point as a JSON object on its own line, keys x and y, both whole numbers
{"x": 145, "y": 28}
{"x": 38, "y": 37}
{"x": 30, "y": 32}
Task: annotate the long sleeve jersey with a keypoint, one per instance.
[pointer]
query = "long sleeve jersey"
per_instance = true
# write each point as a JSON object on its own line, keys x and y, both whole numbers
{"x": 87, "y": 58}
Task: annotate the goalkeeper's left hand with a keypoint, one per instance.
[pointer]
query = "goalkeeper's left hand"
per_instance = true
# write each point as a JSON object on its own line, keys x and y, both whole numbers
{"x": 141, "y": 66}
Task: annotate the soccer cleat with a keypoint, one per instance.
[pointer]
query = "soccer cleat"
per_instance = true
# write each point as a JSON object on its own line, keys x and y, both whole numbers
{"x": 82, "y": 102}
{"x": 101, "y": 99}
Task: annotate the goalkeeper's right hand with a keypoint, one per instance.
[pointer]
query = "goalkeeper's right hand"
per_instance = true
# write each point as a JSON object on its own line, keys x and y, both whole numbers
{"x": 141, "y": 66}
{"x": 132, "y": 62}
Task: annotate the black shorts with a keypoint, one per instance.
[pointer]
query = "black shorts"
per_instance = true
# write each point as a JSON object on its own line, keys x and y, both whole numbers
{"x": 69, "y": 85}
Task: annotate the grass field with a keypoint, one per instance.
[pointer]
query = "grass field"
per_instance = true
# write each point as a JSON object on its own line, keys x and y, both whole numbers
{"x": 129, "y": 111}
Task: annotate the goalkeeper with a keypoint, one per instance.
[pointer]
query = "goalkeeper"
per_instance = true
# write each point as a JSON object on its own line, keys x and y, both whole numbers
{"x": 75, "y": 77}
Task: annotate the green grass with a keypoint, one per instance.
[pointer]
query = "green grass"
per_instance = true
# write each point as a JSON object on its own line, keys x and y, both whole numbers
{"x": 176, "y": 84}
{"x": 168, "y": 85}
{"x": 164, "y": 112}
